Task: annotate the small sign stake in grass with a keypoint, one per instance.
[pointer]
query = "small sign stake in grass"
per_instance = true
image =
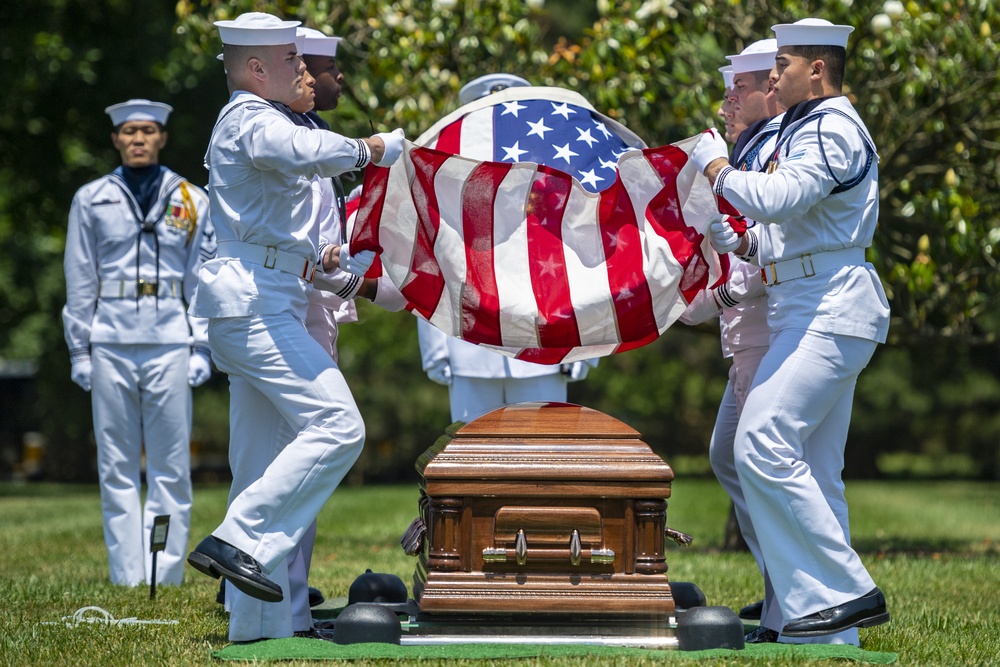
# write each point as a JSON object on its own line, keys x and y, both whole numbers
{"x": 157, "y": 542}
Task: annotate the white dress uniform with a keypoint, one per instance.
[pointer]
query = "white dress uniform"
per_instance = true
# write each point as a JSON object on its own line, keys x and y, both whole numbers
{"x": 480, "y": 380}
{"x": 128, "y": 277}
{"x": 256, "y": 294}
{"x": 827, "y": 312}
{"x": 331, "y": 303}
{"x": 741, "y": 306}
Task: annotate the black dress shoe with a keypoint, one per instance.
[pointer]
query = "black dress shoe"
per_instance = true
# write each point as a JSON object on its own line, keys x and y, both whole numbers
{"x": 752, "y": 612}
{"x": 315, "y": 633}
{"x": 315, "y": 597}
{"x": 863, "y": 612}
{"x": 220, "y": 597}
{"x": 761, "y": 635}
{"x": 217, "y": 558}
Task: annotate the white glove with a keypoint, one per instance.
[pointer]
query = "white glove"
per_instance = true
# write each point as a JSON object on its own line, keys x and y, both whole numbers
{"x": 81, "y": 372}
{"x": 703, "y": 307}
{"x": 440, "y": 372}
{"x": 710, "y": 147}
{"x": 356, "y": 264}
{"x": 724, "y": 237}
{"x": 576, "y": 370}
{"x": 199, "y": 369}
{"x": 393, "y": 146}
{"x": 388, "y": 296}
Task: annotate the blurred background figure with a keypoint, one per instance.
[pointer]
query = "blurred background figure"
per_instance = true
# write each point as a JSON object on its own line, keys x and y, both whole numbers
{"x": 135, "y": 242}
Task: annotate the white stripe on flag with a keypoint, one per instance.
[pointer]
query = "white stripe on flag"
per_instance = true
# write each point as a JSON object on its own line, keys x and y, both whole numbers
{"x": 477, "y": 135}
{"x": 449, "y": 248}
{"x": 519, "y": 314}
{"x": 590, "y": 291}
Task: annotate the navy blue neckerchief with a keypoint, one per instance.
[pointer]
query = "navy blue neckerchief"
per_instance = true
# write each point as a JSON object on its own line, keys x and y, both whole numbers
{"x": 754, "y": 133}
{"x": 144, "y": 184}
{"x": 318, "y": 120}
{"x": 798, "y": 112}
{"x": 744, "y": 138}
{"x": 297, "y": 118}
{"x": 801, "y": 111}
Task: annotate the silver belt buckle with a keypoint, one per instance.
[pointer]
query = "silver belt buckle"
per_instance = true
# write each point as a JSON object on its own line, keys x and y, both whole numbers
{"x": 270, "y": 259}
{"x": 811, "y": 270}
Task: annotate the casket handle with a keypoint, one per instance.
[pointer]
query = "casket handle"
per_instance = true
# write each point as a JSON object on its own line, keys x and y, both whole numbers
{"x": 521, "y": 548}
{"x": 575, "y": 549}
{"x": 682, "y": 539}
{"x": 520, "y": 553}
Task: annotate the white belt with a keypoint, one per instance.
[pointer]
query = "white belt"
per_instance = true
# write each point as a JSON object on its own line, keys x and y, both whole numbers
{"x": 131, "y": 289}
{"x": 270, "y": 258}
{"x": 809, "y": 265}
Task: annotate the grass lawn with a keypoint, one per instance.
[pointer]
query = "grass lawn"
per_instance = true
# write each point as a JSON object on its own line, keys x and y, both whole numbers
{"x": 933, "y": 547}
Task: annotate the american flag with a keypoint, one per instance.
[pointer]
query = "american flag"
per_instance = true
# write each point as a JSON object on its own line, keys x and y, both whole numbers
{"x": 550, "y": 245}
{"x": 554, "y": 127}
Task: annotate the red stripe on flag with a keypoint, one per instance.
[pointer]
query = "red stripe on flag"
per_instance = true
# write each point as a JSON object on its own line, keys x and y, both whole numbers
{"x": 450, "y": 138}
{"x": 427, "y": 284}
{"x": 635, "y": 344}
{"x": 369, "y": 207}
{"x": 548, "y": 356}
{"x": 480, "y": 297}
{"x": 664, "y": 214}
{"x": 546, "y": 208}
{"x": 351, "y": 207}
{"x": 624, "y": 254}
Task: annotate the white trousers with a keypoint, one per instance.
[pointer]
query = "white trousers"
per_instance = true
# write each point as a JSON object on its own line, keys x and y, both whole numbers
{"x": 321, "y": 324}
{"x": 789, "y": 454}
{"x": 141, "y": 401}
{"x": 473, "y": 397}
{"x": 721, "y": 448}
{"x": 279, "y": 378}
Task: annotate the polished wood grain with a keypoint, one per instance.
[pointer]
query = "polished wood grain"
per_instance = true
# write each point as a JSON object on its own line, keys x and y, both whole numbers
{"x": 543, "y": 508}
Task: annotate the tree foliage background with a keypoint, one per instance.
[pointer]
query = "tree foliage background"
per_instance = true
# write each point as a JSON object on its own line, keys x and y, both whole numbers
{"x": 923, "y": 75}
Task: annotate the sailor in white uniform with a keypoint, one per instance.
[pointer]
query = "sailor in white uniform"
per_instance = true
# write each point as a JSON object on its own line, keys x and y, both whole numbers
{"x": 478, "y": 379}
{"x": 135, "y": 242}
{"x": 740, "y": 303}
{"x": 818, "y": 200}
{"x": 327, "y": 308}
{"x": 263, "y": 197}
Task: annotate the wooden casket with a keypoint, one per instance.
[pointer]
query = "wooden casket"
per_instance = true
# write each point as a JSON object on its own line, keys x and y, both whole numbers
{"x": 543, "y": 508}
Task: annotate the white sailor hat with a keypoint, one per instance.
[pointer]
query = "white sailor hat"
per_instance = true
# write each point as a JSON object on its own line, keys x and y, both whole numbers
{"x": 812, "y": 32}
{"x": 757, "y": 57}
{"x": 257, "y": 29}
{"x": 727, "y": 75}
{"x": 489, "y": 83}
{"x": 316, "y": 43}
{"x": 139, "y": 109}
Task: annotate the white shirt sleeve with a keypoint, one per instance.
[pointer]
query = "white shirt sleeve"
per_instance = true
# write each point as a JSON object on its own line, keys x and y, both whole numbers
{"x": 82, "y": 279}
{"x": 203, "y": 247}
{"x": 433, "y": 344}
{"x": 809, "y": 168}
{"x": 272, "y": 142}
